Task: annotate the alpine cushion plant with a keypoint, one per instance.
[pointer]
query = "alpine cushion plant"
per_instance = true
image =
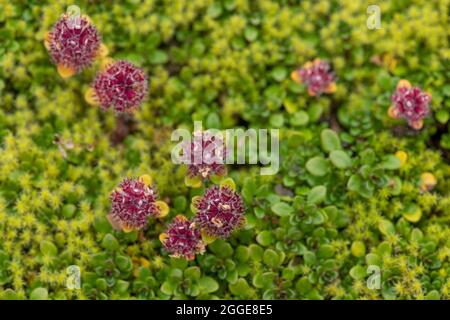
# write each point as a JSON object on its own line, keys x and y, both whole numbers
{"x": 73, "y": 45}
{"x": 133, "y": 202}
{"x": 317, "y": 76}
{"x": 182, "y": 239}
{"x": 353, "y": 192}
{"x": 219, "y": 211}
{"x": 410, "y": 103}
{"x": 120, "y": 85}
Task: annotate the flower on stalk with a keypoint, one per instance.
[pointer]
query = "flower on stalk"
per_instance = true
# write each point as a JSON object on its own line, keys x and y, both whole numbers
{"x": 205, "y": 156}
{"x": 182, "y": 239}
{"x": 219, "y": 212}
{"x": 410, "y": 103}
{"x": 317, "y": 76}
{"x": 120, "y": 85}
{"x": 133, "y": 203}
{"x": 73, "y": 46}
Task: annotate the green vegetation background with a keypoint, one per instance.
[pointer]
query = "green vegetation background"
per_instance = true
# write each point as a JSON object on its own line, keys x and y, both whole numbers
{"x": 312, "y": 229}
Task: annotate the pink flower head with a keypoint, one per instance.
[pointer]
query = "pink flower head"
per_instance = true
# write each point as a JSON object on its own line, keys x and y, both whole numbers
{"x": 73, "y": 45}
{"x": 121, "y": 85}
{"x": 132, "y": 203}
{"x": 182, "y": 239}
{"x": 220, "y": 211}
{"x": 317, "y": 76}
{"x": 410, "y": 103}
{"x": 205, "y": 155}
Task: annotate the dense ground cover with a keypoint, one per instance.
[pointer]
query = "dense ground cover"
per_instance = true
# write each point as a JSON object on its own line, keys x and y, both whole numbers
{"x": 356, "y": 188}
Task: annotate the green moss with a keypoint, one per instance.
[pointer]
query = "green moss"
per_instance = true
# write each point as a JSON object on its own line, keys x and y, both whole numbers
{"x": 341, "y": 202}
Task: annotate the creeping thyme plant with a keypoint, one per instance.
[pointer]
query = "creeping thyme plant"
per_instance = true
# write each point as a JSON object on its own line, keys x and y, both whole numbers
{"x": 87, "y": 180}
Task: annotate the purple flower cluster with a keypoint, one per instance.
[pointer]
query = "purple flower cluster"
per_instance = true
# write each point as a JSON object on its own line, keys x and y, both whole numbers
{"x": 205, "y": 155}
{"x": 317, "y": 76}
{"x": 73, "y": 46}
{"x": 220, "y": 211}
{"x": 132, "y": 203}
{"x": 120, "y": 85}
{"x": 410, "y": 103}
{"x": 183, "y": 239}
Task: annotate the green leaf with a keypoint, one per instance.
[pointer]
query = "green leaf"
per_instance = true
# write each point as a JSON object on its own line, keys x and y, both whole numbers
{"x": 251, "y": 34}
{"x": 433, "y": 295}
{"x": 192, "y": 272}
{"x": 121, "y": 286}
{"x": 213, "y": 121}
{"x": 110, "y": 243}
{"x": 318, "y": 217}
{"x": 248, "y": 189}
{"x": 221, "y": 248}
{"x": 175, "y": 274}
{"x": 39, "y": 294}
{"x": 446, "y": 90}
{"x": 101, "y": 284}
{"x": 325, "y": 251}
{"x": 68, "y": 210}
{"x": 442, "y": 116}
{"x": 310, "y": 258}
{"x": 303, "y": 286}
{"x": 276, "y": 120}
{"x": 384, "y": 249}
{"x": 412, "y": 213}
{"x": 240, "y": 288}
{"x": 158, "y": 57}
{"x": 208, "y": 284}
{"x": 386, "y": 227}
{"x": 289, "y": 273}
{"x": 279, "y": 73}
{"x": 373, "y": 259}
{"x": 391, "y": 162}
{"x": 242, "y": 253}
{"x": 354, "y": 183}
{"x": 416, "y": 235}
{"x": 102, "y": 225}
{"x": 315, "y": 112}
{"x": 317, "y": 166}
{"x": 330, "y": 140}
{"x": 256, "y": 252}
{"x": 358, "y": 272}
{"x": 317, "y": 195}
{"x": 282, "y": 209}
{"x": 300, "y": 118}
{"x": 124, "y": 263}
{"x": 358, "y": 248}
{"x": 215, "y": 10}
{"x": 271, "y": 258}
{"x": 48, "y": 248}
{"x": 168, "y": 287}
{"x": 180, "y": 203}
{"x": 9, "y": 294}
{"x": 340, "y": 159}
{"x": 265, "y": 238}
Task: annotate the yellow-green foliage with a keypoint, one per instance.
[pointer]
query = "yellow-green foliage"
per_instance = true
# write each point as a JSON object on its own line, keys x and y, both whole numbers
{"x": 227, "y": 63}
